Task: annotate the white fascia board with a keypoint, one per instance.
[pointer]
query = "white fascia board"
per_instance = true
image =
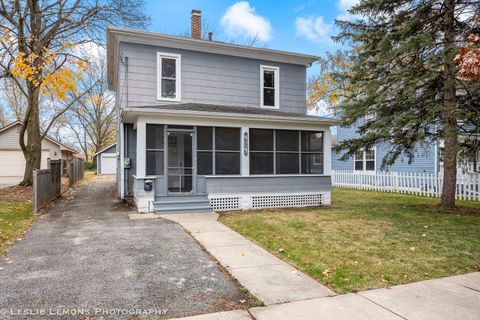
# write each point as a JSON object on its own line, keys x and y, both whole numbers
{"x": 193, "y": 117}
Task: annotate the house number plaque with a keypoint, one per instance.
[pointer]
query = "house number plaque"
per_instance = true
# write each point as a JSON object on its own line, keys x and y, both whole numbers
{"x": 245, "y": 143}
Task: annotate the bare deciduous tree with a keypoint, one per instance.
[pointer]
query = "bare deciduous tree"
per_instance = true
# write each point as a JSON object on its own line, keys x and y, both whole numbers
{"x": 37, "y": 37}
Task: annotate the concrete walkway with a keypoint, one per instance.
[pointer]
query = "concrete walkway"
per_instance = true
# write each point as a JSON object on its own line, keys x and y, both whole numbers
{"x": 267, "y": 277}
{"x": 290, "y": 294}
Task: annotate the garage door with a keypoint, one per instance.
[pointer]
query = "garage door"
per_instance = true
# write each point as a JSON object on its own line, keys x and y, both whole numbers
{"x": 108, "y": 163}
{"x": 12, "y": 166}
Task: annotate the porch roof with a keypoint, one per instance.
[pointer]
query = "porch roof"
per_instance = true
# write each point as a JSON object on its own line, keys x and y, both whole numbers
{"x": 193, "y": 109}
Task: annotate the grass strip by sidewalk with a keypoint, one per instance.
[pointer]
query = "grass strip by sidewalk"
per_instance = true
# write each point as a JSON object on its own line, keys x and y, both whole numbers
{"x": 15, "y": 219}
{"x": 368, "y": 239}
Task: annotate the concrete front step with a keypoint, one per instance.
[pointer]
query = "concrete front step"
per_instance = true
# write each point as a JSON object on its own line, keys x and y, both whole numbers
{"x": 182, "y": 204}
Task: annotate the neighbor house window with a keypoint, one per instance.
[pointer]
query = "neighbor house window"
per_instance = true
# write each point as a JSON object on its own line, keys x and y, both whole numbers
{"x": 168, "y": 77}
{"x": 364, "y": 160}
{"x": 155, "y": 149}
{"x": 269, "y": 86}
{"x": 286, "y": 152}
{"x": 218, "y": 150}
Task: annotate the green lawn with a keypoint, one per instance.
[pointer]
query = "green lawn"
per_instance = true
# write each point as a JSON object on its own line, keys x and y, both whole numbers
{"x": 15, "y": 218}
{"x": 369, "y": 239}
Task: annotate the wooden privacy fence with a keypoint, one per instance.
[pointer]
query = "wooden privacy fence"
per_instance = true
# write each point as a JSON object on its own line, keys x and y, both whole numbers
{"x": 47, "y": 184}
{"x": 76, "y": 171}
{"x": 416, "y": 183}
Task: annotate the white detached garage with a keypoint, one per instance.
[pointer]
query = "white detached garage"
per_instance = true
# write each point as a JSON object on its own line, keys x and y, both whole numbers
{"x": 12, "y": 161}
{"x": 106, "y": 160}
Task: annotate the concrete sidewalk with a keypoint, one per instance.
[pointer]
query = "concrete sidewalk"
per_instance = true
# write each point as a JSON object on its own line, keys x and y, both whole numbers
{"x": 290, "y": 294}
{"x": 267, "y": 277}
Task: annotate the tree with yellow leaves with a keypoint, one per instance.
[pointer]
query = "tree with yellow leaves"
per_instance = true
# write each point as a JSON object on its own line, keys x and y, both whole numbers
{"x": 330, "y": 85}
{"x": 37, "y": 52}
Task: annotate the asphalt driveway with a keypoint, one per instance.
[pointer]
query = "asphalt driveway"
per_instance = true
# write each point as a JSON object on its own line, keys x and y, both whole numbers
{"x": 85, "y": 256}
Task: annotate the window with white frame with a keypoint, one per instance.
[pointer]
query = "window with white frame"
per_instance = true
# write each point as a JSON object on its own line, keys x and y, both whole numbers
{"x": 364, "y": 160}
{"x": 269, "y": 87}
{"x": 168, "y": 76}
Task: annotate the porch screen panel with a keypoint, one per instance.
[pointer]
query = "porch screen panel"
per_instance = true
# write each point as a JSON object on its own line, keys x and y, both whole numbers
{"x": 154, "y": 149}
{"x": 227, "y": 151}
{"x": 312, "y": 152}
{"x": 205, "y": 150}
{"x": 287, "y": 152}
{"x": 261, "y": 151}
{"x": 218, "y": 150}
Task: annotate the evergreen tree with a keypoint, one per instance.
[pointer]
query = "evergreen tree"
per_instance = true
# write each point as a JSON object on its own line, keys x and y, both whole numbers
{"x": 403, "y": 72}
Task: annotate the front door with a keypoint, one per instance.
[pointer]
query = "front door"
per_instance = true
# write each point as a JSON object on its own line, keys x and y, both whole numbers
{"x": 180, "y": 165}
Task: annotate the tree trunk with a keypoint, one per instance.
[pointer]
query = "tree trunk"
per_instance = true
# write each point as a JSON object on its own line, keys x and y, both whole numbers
{"x": 33, "y": 149}
{"x": 449, "y": 104}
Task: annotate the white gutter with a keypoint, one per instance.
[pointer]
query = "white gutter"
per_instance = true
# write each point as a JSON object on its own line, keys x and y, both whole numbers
{"x": 229, "y": 115}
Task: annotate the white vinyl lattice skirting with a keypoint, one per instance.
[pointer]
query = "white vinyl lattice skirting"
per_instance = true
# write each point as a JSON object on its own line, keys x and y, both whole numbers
{"x": 225, "y": 203}
{"x": 279, "y": 201}
{"x": 260, "y": 201}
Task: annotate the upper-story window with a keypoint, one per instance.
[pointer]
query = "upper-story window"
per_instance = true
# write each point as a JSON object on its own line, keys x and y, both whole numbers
{"x": 269, "y": 83}
{"x": 168, "y": 76}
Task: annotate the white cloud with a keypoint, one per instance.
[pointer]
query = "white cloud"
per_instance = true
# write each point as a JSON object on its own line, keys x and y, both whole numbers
{"x": 343, "y": 7}
{"x": 314, "y": 28}
{"x": 240, "y": 20}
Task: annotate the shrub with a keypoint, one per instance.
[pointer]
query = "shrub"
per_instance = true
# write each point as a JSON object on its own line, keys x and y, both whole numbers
{"x": 89, "y": 165}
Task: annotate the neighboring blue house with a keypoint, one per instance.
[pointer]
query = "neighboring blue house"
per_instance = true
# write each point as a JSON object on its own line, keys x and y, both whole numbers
{"x": 426, "y": 156}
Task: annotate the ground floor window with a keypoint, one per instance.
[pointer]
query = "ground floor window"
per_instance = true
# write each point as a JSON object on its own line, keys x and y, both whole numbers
{"x": 286, "y": 152}
{"x": 364, "y": 160}
{"x": 218, "y": 150}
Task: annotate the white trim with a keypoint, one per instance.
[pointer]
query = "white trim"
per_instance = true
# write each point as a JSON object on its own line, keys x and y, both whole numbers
{"x": 178, "y": 76}
{"x": 327, "y": 152}
{"x": 117, "y": 35}
{"x": 364, "y": 161}
{"x": 104, "y": 149}
{"x": 141, "y": 148}
{"x": 244, "y": 148}
{"x": 122, "y": 185}
{"x": 276, "y": 80}
{"x": 133, "y": 112}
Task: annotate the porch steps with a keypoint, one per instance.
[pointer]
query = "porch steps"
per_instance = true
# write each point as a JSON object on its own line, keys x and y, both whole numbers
{"x": 182, "y": 204}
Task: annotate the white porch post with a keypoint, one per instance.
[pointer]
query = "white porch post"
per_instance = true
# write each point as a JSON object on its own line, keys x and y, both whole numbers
{"x": 141, "y": 148}
{"x": 244, "y": 156}
{"x": 327, "y": 152}
{"x": 120, "y": 149}
{"x": 327, "y": 163}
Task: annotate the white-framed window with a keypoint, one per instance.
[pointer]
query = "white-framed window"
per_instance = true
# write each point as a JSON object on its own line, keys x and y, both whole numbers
{"x": 168, "y": 76}
{"x": 364, "y": 160}
{"x": 269, "y": 87}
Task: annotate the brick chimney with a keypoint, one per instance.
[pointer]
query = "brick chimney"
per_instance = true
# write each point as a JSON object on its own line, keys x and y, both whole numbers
{"x": 196, "y": 24}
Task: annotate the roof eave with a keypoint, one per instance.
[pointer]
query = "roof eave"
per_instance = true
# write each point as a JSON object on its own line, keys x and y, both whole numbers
{"x": 117, "y": 35}
{"x": 210, "y": 114}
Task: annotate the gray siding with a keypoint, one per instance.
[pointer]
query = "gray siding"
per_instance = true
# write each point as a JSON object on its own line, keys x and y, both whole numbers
{"x": 424, "y": 160}
{"x": 9, "y": 140}
{"x": 268, "y": 184}
{"x": 130, "y": 151}
{"x": 208, "y": 78}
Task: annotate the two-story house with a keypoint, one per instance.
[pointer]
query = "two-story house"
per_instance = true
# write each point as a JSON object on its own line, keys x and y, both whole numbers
{"x": 208, "y": 125}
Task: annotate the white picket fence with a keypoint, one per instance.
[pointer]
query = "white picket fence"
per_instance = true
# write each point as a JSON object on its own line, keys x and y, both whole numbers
{"x": 416, "y": 183}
